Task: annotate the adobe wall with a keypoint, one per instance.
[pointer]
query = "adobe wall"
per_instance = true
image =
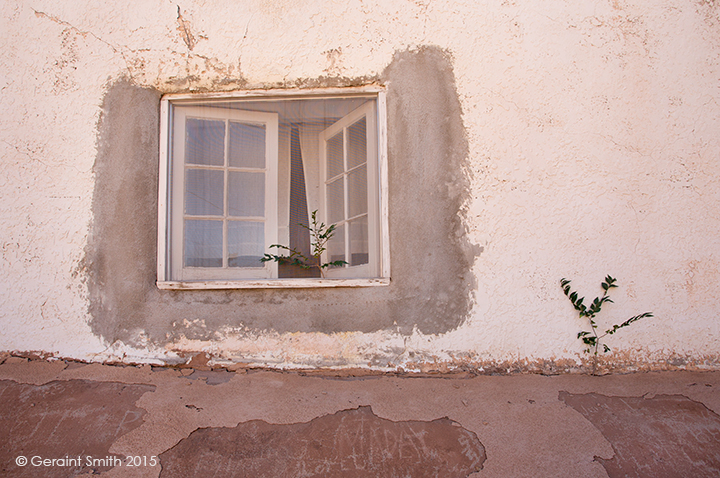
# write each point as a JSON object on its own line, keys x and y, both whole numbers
{"x": 526, "y": 143}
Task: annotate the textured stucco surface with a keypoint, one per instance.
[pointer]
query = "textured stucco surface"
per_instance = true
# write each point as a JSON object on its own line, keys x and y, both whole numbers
{"x": 570, "y": 139}
{"x": 528, "y": 425}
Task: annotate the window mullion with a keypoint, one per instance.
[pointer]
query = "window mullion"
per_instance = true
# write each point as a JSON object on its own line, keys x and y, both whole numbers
{"x": 225, "y": 194}
{"x": 346, "y": 198}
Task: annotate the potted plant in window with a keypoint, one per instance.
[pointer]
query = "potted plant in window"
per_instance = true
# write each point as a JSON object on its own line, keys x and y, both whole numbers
{"x": 320, "y": 234}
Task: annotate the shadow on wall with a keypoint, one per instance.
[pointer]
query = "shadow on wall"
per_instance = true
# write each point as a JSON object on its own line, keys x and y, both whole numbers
{"x": 431, "y": 257}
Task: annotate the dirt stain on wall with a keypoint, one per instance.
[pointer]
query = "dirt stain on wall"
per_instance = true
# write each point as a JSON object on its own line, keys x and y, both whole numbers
{"x": 431, "y": 256}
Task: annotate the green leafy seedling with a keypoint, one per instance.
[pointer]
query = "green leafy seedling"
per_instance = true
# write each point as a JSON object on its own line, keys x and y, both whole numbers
{"x": 591, "y": 338}
{"x": 319, "y": 237}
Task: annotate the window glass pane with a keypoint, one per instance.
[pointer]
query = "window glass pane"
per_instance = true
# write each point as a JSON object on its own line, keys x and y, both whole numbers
{"x": 357, "y": 191}
{"x": 335, "y": 201}
{"x": 335, "y": 164}
{"x": 244, "y": 171}
{"x": 359, "y": 241}
{"x": 203, "y": 243}
{"x": 204, "y": 192}
{"x": 205, "y": 142}
{"x": 336, "y": 245}
{"x": 246, "y": 243}
{"x": 246, "y": 145}
{"x": 246, "y": 194}
{"x": 357, "y": 144}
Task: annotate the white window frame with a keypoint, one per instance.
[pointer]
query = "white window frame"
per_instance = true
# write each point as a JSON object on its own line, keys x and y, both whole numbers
{"x": 270, "y": 121}
{"x": 168, "y": 195}
{"x": 371, "y": 268}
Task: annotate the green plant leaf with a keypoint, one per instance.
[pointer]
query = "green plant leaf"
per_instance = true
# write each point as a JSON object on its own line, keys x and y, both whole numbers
{"x": 591, "y": 338}
{"x": 628, "y": 322}
{"x": 319, "y": 235}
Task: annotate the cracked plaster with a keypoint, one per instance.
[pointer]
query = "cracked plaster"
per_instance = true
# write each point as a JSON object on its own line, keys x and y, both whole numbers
{"x": 505, "y": 413}
{"x": 591, "y": 136}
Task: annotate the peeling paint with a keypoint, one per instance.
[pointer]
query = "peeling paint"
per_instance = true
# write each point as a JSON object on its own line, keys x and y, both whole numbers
{"x": 49, "y": 416}
{"x": 349, "y": 443}
{"x": 501, "y": 414}
{"x": 678, "y": 436}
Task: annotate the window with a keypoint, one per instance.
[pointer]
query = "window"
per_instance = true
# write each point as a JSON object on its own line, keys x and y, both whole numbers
{"x": 242, "y": 172}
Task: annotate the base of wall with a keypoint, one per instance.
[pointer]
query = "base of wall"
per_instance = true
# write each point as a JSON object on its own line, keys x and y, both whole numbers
{"x": 610, "y": 364}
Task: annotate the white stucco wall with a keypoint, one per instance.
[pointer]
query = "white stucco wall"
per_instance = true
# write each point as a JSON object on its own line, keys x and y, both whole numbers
{"x": 594, "y": 148}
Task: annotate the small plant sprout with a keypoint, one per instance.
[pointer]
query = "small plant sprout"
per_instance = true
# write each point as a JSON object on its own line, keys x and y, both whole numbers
{"x": 319, "y": 237}
{"x": 591, "y": 337}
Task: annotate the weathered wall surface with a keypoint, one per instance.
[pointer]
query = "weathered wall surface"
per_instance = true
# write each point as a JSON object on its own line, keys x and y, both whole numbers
{"x": 527, "y": 142}
{"x": 432, "y": 295}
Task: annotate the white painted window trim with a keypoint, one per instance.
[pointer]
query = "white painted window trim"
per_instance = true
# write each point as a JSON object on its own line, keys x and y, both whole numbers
{"x": 273, "y": 95}
{"x": 272, "y": 284}
{"x": 270, "y": 120}
{"x": 382, "y": 161}
{"x": 368, "y": 112}
{"x": 165, "y": 189}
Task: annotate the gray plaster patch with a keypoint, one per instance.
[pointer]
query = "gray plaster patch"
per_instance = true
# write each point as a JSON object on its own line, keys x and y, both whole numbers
{"x": 431, "y": 257}
{"x": 661, "y": 437}
{"x": 349, "y": 443}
